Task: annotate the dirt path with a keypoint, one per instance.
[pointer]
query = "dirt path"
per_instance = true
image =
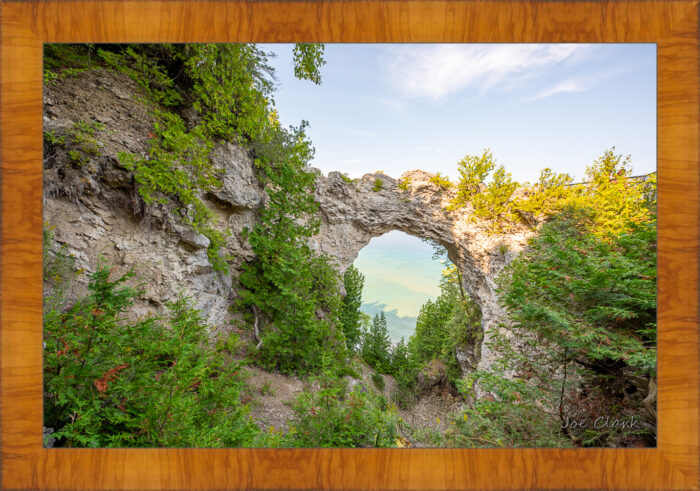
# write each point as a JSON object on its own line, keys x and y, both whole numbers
{"x": 273, "y": 394}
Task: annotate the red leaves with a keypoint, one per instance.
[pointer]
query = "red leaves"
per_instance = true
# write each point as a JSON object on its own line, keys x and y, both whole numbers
{"x": 65, "y": 348}
{"x": 102, "y": 382}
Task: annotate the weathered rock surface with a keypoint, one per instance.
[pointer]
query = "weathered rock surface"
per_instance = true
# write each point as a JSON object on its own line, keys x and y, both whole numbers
{"x": 97, "y": 213}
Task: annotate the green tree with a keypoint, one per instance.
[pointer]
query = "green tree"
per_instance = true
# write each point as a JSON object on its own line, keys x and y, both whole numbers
{"x": 431, "y": 329}
{"x": 349, "y": 316}
{"x": 376, "y": 346}
{"x": 451, "y": 322}
{"x": 546, "y": 198}
{"x": 291, "y": 290}
{"x": 495, "y": 202}
{"x": 473, "y": 171}
{"x": 405, "y": 371}
{"x": 308, "y": 59}
{"x": 617, "y": 202}
{"x": 400, "y": 357}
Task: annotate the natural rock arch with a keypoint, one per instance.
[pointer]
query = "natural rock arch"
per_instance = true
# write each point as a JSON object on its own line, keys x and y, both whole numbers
{"x": 353, "y": 213}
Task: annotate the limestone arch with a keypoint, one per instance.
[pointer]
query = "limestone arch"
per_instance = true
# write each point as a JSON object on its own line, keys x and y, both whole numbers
{"x": 355, "y": 211}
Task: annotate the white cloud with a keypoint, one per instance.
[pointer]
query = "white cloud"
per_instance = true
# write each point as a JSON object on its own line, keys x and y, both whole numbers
{"x": 579, "y": 84}
{"x": 436, "y": 71}
{"x": 571, "y": 85}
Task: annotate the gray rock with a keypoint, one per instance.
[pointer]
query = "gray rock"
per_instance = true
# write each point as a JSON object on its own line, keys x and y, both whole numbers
{"x": 49, "y": 442}
{"x": 240, "y": 188}
{"x": 195, "y": 240}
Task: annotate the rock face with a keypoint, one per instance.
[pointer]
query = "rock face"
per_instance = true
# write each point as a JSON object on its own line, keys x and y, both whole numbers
{"x": 97, "y": 215}
{"x": 96, "y": 212}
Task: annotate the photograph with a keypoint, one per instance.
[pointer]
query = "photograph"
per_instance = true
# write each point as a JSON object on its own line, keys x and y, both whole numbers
{"x": 331, "y": 245}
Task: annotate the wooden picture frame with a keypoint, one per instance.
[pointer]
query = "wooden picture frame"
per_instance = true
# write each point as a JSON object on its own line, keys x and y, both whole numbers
{"x": 25, "y": 26}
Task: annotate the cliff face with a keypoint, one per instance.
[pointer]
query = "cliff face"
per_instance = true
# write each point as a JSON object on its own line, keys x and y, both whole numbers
{"x": 97, "y": 213}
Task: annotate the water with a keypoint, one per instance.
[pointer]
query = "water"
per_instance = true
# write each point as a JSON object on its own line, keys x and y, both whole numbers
{"x": 400, "y": 276}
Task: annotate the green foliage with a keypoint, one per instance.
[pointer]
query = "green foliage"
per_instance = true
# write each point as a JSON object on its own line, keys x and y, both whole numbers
{"x": 83, "y": 135}
{"x": 378, "y": 184}
{"x": 178, "y": 171}
{"x": 61, "y": 57}
{"x": 143, "y": 65}
{"x": 405, "y": 183}
{"x": 450, "y": 322}
{"x": 426, "y": 343}
{"x": 472, "y": 171}
{"x": 491, "y": 201}
{"x": 308, "y": 59}
{"x": 405, "y": 371}
{"x": 294, "y": 288}
{"x": 51, "y": 138}
{"x": 376, "y": 346}
{"x": 615, "y": 200}
{"x": 230, "y": 89}
{"x": 297, "y": 339}
{"x": 618, "y": 203}
{"x": 80, "y": 141}
{"x": 349, "y": 315}
{"x": 50, "y": 77}
{"x": 584, "y": 307}
{"x": 335, "y": 417}
{"x": 495, "y": 202}
{"x": 441, "y": 181}
{"x": 548, "y": 196}
{"x": 348, "y": 179}
{"x": 110, "y": 382}
{"x": 378, "y": 381}
{"x": 595, "y": 298}
{"x": 508, "y": 417}
{"x": 66, "y": 60}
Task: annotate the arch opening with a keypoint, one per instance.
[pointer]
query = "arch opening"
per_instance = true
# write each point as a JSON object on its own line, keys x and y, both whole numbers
{"x": 401, "y": 273}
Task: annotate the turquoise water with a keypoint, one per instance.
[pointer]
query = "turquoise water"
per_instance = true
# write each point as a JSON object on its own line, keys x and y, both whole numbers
{"x": 400, "y": 276}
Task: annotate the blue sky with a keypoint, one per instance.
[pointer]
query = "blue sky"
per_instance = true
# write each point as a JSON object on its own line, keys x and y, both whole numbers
{"x": 410, "y": 106}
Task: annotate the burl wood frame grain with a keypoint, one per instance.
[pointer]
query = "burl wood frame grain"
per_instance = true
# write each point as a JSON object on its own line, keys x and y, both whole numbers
{"x": 25, "y": 26}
